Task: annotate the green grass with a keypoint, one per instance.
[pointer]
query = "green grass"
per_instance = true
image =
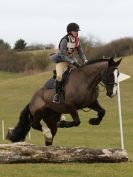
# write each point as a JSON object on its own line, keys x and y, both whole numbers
{"x": 8, "y": 75}
{"x": 67, "y": 170}
{"x": 16, "y": 91}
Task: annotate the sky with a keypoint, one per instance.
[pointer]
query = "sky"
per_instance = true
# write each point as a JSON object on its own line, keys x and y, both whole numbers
{"x": 45, "y": 21}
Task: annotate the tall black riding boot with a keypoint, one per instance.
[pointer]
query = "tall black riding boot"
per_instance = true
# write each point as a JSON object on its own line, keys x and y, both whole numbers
{"x": 57, "y": 96}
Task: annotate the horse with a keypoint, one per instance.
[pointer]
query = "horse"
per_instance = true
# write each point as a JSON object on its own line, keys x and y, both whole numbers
{"x": 80, "y": 91}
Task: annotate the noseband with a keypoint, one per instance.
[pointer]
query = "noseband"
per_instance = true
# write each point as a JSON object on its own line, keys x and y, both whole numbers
{"x": 107, "y": 84}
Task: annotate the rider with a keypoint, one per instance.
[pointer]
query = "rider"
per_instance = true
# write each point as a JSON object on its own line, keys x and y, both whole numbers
{"x": 68, "y": 44}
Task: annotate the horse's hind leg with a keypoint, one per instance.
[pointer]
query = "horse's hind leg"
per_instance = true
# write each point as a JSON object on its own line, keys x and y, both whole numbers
{"x": 101, "y": 112}
{"x": 50, "y": 118}
{"x": 36, "y": 120}
{"x": 37, "y": 105}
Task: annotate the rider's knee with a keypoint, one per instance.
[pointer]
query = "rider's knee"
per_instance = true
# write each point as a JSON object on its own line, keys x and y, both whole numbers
{"x": 76, "y": 123}
{"x": 59, "y": 78}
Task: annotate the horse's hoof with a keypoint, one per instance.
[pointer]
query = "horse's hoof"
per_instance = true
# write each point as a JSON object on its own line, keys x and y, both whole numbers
{"x": 94, "y": 121}
{"x": 47, "y": 143}
{"x": 61, "y": 124}
{"x": 66, "y": 124}
{"x": 76, "y": 123}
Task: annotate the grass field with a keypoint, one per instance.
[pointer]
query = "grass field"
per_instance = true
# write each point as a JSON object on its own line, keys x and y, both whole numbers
{"x": 15, "y": 92}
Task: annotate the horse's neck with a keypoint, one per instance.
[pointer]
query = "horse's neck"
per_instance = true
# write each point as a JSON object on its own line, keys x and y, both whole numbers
{"x": 95, "y": 71}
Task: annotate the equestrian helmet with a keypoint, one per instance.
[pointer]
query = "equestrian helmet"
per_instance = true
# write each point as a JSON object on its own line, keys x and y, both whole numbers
{"x": 72, "y": 27}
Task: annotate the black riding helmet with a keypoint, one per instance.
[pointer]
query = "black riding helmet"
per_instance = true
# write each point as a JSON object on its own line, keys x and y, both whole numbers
{"x": 72, "y": 27}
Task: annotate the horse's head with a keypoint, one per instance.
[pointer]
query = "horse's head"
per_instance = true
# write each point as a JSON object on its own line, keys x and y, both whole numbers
{"x": 110, "y": 78}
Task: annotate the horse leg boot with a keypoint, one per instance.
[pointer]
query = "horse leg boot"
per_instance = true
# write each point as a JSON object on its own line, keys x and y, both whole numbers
{"x": 75, "y": 116}
{"x": 57, "y": 96}
{"x": 101, "y": 112}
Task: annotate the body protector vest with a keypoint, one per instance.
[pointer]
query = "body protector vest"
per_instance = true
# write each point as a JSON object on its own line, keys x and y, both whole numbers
{"x": 72, "y": 43}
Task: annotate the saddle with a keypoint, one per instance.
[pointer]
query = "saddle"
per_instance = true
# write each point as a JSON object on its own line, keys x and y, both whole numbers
{"x": 51, "y": 83}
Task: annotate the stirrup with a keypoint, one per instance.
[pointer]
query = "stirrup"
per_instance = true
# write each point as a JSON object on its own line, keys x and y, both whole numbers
{"x": 57, "y": 98}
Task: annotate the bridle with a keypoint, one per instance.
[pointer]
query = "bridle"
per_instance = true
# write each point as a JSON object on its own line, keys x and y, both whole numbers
{"x": 108, "y": 84}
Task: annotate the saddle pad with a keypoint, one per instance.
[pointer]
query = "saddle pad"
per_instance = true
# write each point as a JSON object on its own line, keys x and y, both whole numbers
{"x": 50, "y": 84}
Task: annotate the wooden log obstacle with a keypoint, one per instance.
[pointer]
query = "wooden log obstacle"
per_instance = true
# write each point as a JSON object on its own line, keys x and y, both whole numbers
{"x": 30, "y": 153}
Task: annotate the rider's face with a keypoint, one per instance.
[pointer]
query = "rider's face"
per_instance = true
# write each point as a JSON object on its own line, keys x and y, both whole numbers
{"x": 74, "y": 33}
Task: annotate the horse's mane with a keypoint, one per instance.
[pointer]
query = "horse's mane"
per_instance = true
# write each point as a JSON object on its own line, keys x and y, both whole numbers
{"x": 96, "y": 61}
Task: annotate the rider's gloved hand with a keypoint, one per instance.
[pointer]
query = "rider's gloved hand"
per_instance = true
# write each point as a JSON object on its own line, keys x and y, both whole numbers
{"x": 85, "y": 61}
{"x": 75, "y": 64}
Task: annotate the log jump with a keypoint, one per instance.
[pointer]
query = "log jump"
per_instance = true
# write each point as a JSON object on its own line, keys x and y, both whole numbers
{"x": 30, "y": 153}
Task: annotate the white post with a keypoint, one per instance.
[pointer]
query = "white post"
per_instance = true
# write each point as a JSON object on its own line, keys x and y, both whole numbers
{"x": 3, "y": 130}
{"x": 120, "y": 117}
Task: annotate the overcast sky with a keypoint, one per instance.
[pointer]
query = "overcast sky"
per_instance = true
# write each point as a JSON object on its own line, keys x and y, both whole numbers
{"x": 45, "y": 21}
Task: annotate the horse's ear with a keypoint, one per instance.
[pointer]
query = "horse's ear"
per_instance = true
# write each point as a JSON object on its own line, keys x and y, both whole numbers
{"x": 114, "y": 63}
{"x": 118, "y": 62}
{"x": 111, "y": 61}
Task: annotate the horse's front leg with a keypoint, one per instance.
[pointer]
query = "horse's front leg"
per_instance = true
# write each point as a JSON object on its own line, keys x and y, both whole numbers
{"x": 76, "y": 121}
{"x": 101, "y": 112}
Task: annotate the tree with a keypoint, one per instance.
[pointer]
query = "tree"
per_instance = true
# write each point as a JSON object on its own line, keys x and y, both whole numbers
{"x": 49, "y": 46}
{"x": 4, "y": 45}
{"x": 35, "y": 47}
{"x": 20, "y": 44}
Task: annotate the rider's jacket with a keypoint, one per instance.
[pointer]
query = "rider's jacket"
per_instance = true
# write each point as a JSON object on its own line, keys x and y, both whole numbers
{"x": 72, "y": 44}
{"x": 67, "y": 46}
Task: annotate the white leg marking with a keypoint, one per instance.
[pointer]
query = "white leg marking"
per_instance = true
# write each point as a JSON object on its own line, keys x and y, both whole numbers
{"x": 115, "y": 81}
{"x": 47, "y": 134}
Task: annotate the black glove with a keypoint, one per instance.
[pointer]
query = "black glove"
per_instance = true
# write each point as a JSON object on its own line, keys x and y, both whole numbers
{"x": 85, "y": 61}
{"x": 75, "y": 64}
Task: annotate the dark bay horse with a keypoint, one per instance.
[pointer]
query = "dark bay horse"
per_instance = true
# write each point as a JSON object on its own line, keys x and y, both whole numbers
{"x": 80, "y": 92}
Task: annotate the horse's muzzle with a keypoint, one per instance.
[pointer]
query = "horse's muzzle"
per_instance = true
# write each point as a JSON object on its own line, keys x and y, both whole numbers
{"x": 111, "y": 94}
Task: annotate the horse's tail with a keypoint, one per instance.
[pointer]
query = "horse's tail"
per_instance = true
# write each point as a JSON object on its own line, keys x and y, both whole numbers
{"x": 22, "y": 128}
